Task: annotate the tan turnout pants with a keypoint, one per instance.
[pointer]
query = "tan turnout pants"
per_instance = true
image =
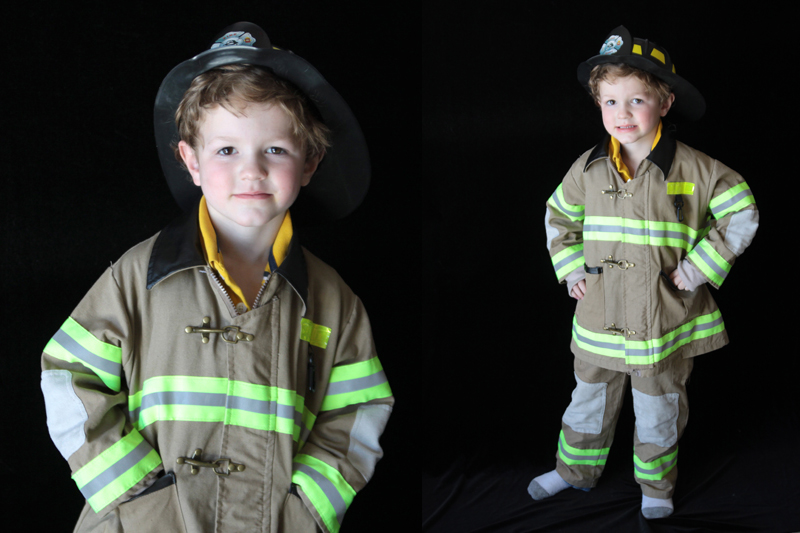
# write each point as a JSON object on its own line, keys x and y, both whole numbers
{"x": 661, "y": 408}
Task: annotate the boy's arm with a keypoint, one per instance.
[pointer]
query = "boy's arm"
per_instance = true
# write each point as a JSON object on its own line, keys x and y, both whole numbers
{"x": 86, "y": 401}
{"x": 564, "y": 226}
{"x": 339, "y": 457}
{"x": 732, "y": 205}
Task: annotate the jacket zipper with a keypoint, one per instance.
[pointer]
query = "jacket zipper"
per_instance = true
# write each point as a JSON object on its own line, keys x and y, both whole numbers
{"x": 228, "y": 296}
{"x": 222, "y": 288}
{"x": 257, "y": 301}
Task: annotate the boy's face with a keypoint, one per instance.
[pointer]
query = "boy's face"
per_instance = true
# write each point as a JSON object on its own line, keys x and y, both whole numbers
{"x": 630, "y": 113}
{"x": 249, "y": 166}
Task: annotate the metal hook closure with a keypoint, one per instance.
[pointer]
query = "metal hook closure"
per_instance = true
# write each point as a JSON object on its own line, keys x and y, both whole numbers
{"x": 194, "y": 462}
{"x": 621, "y": 194}
{"x": 619, "y": 331}
{"x": 232, "y": 331}
{"x": 622, "y": 264}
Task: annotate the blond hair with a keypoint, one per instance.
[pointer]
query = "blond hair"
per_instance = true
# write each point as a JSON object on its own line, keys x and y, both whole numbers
{"x": 609, "y": 72}
{"x": 233, "y": 87}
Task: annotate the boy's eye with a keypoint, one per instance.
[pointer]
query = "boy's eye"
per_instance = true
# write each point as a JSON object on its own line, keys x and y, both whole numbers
{"x": 610, "y": 102}
{"x": 275, "y": 150}
{"x": 228, "y": 150}
{"x": 637, "y": 100}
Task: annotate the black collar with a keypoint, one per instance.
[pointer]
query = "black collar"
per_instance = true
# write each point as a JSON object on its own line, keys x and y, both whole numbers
{"x": 662, "y": 156}
{"x": 178, "y": 247}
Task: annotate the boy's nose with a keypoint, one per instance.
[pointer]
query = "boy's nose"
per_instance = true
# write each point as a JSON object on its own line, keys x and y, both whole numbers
{"x": 254, "y": 170}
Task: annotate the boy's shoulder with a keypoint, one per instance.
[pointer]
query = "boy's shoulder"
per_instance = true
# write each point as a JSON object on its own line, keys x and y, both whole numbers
{"x": 324, "y": 282}
{"x": 134, "y": 264}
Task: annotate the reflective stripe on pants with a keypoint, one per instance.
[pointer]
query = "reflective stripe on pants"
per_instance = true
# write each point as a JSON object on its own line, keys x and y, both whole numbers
{"x": 655, "y": 466}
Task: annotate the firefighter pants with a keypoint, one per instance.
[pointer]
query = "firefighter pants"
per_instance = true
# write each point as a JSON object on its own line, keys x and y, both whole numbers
{"x": 587, "y": 429}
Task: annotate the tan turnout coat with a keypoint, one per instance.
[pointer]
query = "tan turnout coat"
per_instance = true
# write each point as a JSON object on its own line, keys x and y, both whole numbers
{"x": 626, "y": 238}
{"x": 131, "y": 395}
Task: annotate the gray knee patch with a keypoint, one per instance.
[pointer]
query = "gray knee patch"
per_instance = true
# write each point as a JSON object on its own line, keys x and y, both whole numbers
{"x": 656, "y": 418}
{"x": 585, "y": 412}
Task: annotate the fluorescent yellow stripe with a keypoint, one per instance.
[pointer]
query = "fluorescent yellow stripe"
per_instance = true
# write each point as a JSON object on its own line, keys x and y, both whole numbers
{"x": 212, "y": 396}
{"x": 330, "y": 493}
{"x": 337, "y": 401}
{"x": 314, "y": 334}
{"x": 356, "y": 370}
{"x": 680, "y": 187}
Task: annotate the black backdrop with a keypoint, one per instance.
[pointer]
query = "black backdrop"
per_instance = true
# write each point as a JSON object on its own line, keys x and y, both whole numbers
{"x": 468, "y": 319}
{"x": 503, "y": 119}
{"x": 82, "y": 184}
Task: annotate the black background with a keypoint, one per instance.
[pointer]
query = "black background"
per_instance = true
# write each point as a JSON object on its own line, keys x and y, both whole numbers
{"x": 82, "y": 184}
{"x": 447, "y": 251}
{"x": 503, "y": 119}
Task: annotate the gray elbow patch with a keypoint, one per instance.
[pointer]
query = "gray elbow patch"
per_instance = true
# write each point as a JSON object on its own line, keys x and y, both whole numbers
{"x": 66, "y": 415}
{"x": 585, "y": 412}
{"x": 656, "y": 418}
{"x": 552, "y": 232}
{"x": 364, "y": 450}
{"x": 741, "y": 230}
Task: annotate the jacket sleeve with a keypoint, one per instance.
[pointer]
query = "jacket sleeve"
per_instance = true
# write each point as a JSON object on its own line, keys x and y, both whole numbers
{"x": 339, "y": 457}
{"x": 734, "y": 224}
{"x": 86, "y": 400}
{"x": 564, "y": 226}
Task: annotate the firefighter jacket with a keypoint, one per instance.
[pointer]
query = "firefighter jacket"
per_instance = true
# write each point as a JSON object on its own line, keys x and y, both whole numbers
{"x": 626, "y": 238}
{"x": 176, "y": 413}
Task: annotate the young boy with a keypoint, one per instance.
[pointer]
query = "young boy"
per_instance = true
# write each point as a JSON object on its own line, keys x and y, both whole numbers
{"x": 219, "y": 377}
{"x": 636, "y": 230}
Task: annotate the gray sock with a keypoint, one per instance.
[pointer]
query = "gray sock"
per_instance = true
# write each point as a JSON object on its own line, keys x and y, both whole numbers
{"x": 656, "y": 508}
{"x": 546, "y": 485}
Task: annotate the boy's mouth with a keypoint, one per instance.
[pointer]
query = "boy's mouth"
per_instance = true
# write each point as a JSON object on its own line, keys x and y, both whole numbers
{"x": 626, "y": 127}
{"x": 253, "y": 195}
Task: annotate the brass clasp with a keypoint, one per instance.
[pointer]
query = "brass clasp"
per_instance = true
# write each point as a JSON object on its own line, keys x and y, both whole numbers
{"x": 619, "y": 331}
{"x": 226, "y": 332}
{"x": 622, "y": 264}
{"x": 195, "y": 463}
{"x": 621, "y": 193}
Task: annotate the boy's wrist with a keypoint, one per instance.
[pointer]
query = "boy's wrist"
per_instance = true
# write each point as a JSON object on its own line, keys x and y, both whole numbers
{"x": 690, "y": 275}
{"x": 574, "y": 277}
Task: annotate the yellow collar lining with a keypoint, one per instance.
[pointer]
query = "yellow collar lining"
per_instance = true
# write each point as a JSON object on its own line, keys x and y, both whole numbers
{"x": 278, "y": 251}
{"x": 616, "y": 155}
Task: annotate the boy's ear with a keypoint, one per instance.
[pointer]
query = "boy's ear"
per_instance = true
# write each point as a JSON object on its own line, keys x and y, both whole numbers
{"x": 190, "y": 160}
{"x": 667, "y": 104}
{"x": 309, "y": 168}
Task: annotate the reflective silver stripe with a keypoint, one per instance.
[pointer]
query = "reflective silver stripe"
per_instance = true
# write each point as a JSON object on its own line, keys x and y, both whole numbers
{"x": 207, "y": 399}
{"x": 598, "y": 344}
{"x": 327, "y": 488}
{"x": 72, "y": 346}
{"x": 117, "y": 469}
{"x": 657, "y": 469}
{"x": 670, "y": 343}
{"x": 648, "y": 351}
{"x": 565, "y": 453}
{"x": 263, "y": 407}
{"x": 653, "y": 233}
{"x": 710, "y": 262}
{"x": 352, "y": 385}
{"x": 566, "y": 209}
{"x": 570, "y": 258}
{"x": 211, "y": 399}
{"x": 725, "y": 205}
